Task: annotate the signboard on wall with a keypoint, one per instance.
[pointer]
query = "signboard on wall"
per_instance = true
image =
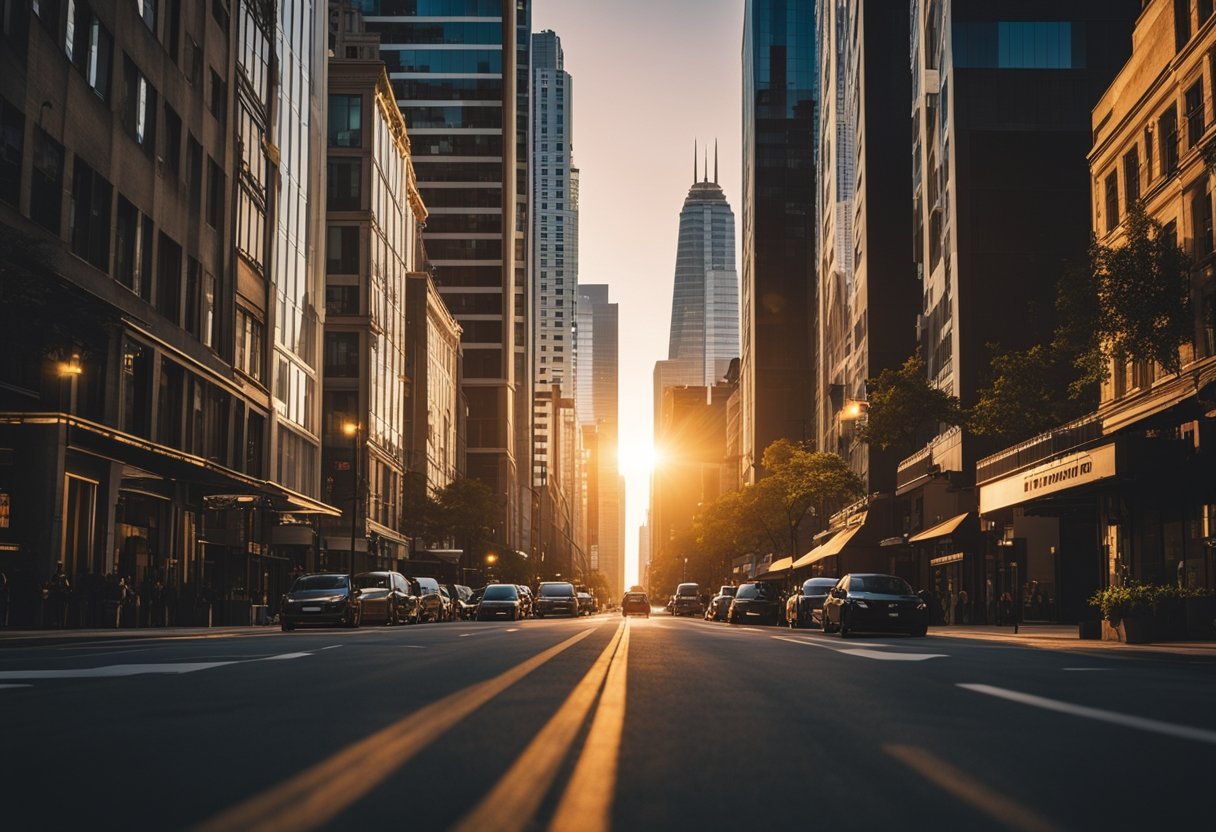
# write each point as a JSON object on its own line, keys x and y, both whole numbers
{"x": 4, "y": 509}
{"x": 1052, "y": 476}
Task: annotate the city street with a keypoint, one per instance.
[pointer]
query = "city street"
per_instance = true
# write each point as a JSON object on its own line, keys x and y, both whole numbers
{"x": 656, "y": 723}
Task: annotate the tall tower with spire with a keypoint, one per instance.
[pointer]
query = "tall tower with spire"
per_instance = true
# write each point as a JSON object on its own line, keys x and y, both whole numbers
{"x": 705, "y": 300}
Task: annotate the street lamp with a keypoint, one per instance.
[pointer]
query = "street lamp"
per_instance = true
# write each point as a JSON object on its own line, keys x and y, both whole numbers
{"x": 70, "y": 370}
{"x": 351, "y": 429}
{"x": 491, "y": 559}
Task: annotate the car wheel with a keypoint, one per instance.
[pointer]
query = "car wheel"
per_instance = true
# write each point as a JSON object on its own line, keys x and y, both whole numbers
{"x": 843, "y": 627}
{"x": 390, "y": 615}
{"x": 920, "y": 632}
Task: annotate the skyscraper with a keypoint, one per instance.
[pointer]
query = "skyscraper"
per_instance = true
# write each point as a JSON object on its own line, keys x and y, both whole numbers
{"x": 598, "y": 351}
{"x": 555, "y": 222}
{"x": 868, "y": 294}
{"x": 705, "y": 300}
{"x": 456, "y": 71}
{"x": 780, "y": 121}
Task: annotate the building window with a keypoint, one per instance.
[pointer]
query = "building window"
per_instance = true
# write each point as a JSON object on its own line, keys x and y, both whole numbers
{"x": 219, "y": 97}
{"x": 207, "y": 317}
{"x": 342, "y": 250}
{"x": 1131, "y": 177}
{"x": 1182, "y": 23}
{"x": 215, "y": 194}
{"x": 89, "y": 215}
{"x": 193, "y": 322}
{"x": 342, "y": 354}
{"x": 1148, "y": 156}
{"x": 341, "y": 300}
{"x": 89, "y": 46}
{"x": 1195, "y": 124}
{"x": 169, "y": 278}
{"x": 194, "y": 173}
{"x": 1112, "y": 201}
{"x": 139, "y": 106}
{"x": 1203, "y": 10}
{"x": 147, "y": 11}
{"x": 1201, "y": 219}
{"x": 1167, "y": 130}
{"x": 250, "y": 344}
{"x": 12, "y": 141}
{"x": 345, "y": 181}
{"x": 345, "y": 121}
{"x": 133, "y": 249}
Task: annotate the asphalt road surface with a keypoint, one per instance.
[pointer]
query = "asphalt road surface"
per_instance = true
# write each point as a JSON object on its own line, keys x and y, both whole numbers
{"x": 590, "y": 724}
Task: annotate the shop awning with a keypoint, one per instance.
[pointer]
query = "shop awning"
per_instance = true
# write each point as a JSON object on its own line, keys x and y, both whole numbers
{"x": 953, "y": 557}
{"x": 777, "y": 568}
{"x": 941, "y": 529}
{"x": 832, "y": 547}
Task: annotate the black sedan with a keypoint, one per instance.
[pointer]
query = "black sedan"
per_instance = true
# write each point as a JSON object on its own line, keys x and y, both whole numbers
{"x": 635, "y": 603}
{"x": 755, "y": 603}
{"x": 872, "y": 602}
{"x": 805, "y": 607}
{"x": 499, "y": 601}
{"x": 323, "y": 599}
{"x": 719, "y": 605}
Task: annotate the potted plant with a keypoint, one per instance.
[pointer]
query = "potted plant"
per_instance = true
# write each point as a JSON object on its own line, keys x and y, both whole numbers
{"x": 1127, "y": 612}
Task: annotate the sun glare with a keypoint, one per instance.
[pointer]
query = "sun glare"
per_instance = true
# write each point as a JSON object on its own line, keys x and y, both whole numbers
{"x": 637, "y": 458}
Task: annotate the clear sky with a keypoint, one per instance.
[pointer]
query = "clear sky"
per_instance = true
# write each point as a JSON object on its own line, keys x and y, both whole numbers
{"x": 650, "y": 76}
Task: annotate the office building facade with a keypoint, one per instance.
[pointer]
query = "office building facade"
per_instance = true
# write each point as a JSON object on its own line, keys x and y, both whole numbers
{"x": 780, "y": 122}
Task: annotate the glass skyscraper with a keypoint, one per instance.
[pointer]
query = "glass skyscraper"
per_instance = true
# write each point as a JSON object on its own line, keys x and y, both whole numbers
{"x": 780, "y": 123}
{"x": 705, "y": 300}
{"x": 459, "y": 71}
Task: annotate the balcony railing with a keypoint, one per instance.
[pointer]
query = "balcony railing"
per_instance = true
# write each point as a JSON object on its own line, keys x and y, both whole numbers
{"x": 1044, "y": 446}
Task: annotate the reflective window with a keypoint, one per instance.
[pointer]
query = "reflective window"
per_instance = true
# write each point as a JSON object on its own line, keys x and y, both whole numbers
{"x": 1018, "y": 45}
{"x": 345, "y": 121}
{"x": 89, "y": 217}
{"x": 444, "y": 61}
{"x": 345, "y": 184}
{"x": 12, "y": 140}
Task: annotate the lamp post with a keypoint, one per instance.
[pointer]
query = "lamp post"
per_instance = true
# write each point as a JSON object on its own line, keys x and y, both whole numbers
{"x": 491, "y": 559}
{"x": 351, "y": 429}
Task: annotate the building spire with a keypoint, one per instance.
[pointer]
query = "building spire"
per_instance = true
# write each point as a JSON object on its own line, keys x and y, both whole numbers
{"x": 694, "y": 161}
{"x": 706, "y": 173}
{"x": 715, "y": 161}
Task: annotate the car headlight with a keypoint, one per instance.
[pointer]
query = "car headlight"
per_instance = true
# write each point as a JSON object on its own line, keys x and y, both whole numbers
{"x": 921, "y": 606}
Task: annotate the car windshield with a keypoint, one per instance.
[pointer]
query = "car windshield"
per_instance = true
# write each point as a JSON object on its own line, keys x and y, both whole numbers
{"x": 727, "y": 590}
{"x": 500, "y": 592}
{"x": 556, "y": 590}
{"x": 815, "y": 589}
{"x": 371, "y": 581}
{"x": 313, "y": 582}
{"x": 757, "y": 592}
{"x": 880, "y": 584}
{"x": 687, "y": 590}
{"x": 635, "y": 598}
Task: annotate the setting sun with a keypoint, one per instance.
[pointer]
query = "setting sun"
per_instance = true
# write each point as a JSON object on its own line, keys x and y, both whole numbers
{"x": 637, "y": 457}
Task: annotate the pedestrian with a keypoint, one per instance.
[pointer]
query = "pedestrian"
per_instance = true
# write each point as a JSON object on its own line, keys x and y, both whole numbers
{"x": 58, "y": 594}
{"x": 4, "y": 599}
{"x": 1006, "y": 607}
{"x": 964, "y": 607}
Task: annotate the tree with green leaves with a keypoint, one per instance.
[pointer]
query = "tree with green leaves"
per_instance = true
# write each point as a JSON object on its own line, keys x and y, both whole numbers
{"x": 466, "y": 509}
{"x": 905, "y": 410}
{"x": 804, "y": 483}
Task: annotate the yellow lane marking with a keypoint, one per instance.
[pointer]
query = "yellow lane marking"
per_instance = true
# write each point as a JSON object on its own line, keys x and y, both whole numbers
{"x": 586, "y": 805}
{"x": 318, "y": 794}
{"x": 512, "y": 803}
{"x": 1004, "y": 810}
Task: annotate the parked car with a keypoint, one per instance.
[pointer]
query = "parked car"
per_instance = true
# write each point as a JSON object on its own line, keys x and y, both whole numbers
{"x": 527, "y": 600}
{"x": 459, "y": 596}
{"x": 499, "y": 601}
{"x": 687, "y": 600}
{"x": 430, "y": 601}
{"x": 873, "y": 602}
{"x": 719, "y": 605}
{"x": 586, "y": 603}
{"x": 386, "y": 596}
{"x": 475, "y": 599}
{"x": 325, "y": 598}
{"x": 755, "y": 603}
{"x": 449, "y": 608}
{"x": 805, "y": 607}
{"x": 635, "y": 603}
{"x": 556, "y": 598}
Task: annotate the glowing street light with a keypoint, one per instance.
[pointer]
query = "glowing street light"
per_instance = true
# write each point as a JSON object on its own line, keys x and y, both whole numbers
{"x": 351, "y": 429}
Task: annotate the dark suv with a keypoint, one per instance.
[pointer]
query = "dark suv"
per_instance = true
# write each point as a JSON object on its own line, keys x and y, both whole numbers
{"x": 556, "y": 598}
{"x": 324, "y": 599}
{"x": 687, "y": 600}
{"x": 755, "y": 603}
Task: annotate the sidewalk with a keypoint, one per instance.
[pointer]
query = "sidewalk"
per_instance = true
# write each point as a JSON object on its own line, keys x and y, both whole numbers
{"x": 1064, "y": 637}
{"x": 11, "y": 636}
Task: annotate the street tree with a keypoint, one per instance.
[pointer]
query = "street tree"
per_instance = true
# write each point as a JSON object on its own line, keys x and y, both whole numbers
{"x": 803, "y": 483}
{"x": 466, "y": 512}
{"x": 905, "y": 409}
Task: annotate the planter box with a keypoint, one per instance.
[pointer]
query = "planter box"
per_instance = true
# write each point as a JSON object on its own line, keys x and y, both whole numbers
{"x": 1129, "y": 630}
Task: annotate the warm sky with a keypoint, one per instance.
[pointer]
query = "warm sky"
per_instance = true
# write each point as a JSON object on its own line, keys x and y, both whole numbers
{"x": 650, "y": 76}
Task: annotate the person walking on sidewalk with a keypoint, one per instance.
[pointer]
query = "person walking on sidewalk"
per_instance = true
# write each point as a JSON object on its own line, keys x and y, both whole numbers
{"x": 58, "y": 594}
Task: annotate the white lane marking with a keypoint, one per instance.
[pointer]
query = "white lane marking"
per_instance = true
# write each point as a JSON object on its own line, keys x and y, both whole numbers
{"x": 113, "y": 670}
{"x": 332, "y": 647}
{"x": 1140, "y": 723}
{"x": 283, "y": 656}
{"x": 513, "y": 630}
{"x": 415, "y": 646}
{"x": 864, "y": 653}
{"x": 6, "y": 687}
{"x": 1080, "y": 669}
